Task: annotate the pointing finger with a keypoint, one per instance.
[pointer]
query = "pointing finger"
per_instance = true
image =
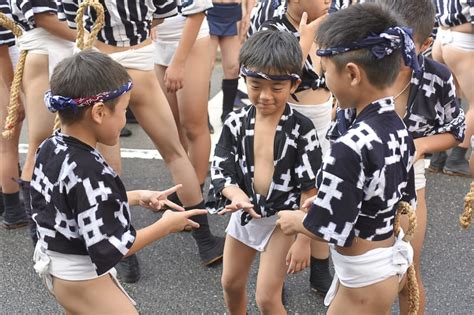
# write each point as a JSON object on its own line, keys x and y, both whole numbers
{"x": 172, "y": 205}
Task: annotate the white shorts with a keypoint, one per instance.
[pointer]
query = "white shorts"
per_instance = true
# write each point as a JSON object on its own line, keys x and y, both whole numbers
{"x": 40, "y": 41}
{"x": 374, "y": 266}
{"x": 320, "y": 115}
{"x": 137, "y": 59}
{"x": 459, "y": 40}
{"x": 254, "y": 234}
{"x": 169, "y": 34}
{"x": 419, "y": 170}
{"x": 68, "y": 267}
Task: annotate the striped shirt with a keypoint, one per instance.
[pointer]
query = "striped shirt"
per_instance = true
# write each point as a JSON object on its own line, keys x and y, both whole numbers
{"x": 128, "y": 23}
{"x": 454, "y": 12}
{"x": 24, "y": 11}
{"x": 264, "y": 11}
{"x": 6, "y": 36}
{"x": 67, "y": 11}
{"x": 337, "y": 5}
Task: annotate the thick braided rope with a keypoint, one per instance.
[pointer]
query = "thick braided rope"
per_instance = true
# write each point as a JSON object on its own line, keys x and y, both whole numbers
{"x": 466, "y": 218}
{"x": 81, "y": 34}
{"x": 404, "y": 208}
{"x": 12, "y": 116}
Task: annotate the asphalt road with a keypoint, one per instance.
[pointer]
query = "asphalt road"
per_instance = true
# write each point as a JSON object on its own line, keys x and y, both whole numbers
{"x": 174, "y": 282}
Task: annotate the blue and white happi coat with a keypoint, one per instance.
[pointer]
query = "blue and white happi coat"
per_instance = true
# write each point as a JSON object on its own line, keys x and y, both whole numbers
{"x": 365, "y": 173}
{"x": 79, "y": 203}
{"x": 432, "y": 106}
{"x": 297, "y": 157}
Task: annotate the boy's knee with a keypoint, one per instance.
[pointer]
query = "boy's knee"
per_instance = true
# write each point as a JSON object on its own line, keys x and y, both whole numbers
{"x": 232, "y": 69}
{"x": 232, "y": 286}
{"x": 267, "y": 300}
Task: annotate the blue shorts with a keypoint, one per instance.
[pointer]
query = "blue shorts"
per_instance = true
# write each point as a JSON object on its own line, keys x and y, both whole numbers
{"x": 223, "y": 18}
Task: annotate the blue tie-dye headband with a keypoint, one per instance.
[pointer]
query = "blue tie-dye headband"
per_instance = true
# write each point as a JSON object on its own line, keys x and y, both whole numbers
{"x": 382, "y": 45}
{"x": 58, "y": 102}
{"x": 246, "y": 72}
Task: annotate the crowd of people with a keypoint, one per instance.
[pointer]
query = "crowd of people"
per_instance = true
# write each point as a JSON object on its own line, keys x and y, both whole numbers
{"x": 327, "y": 163}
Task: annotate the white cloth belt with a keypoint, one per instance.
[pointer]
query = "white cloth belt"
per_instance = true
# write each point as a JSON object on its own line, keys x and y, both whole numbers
{"x": 138, "y": 59}
{"x": 67, "y": 267}
{"x": 372, "y": 267}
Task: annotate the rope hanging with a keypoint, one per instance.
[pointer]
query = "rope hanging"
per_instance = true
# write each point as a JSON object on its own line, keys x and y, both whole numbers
{"x": 404, "y": 208}
{"x": 12, "y": 111}
{"x": 466, "y": 218}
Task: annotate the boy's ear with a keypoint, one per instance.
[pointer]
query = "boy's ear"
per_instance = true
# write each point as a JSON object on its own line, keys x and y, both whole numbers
{"x": 98, "y": 112}
{"x": 294, "y": 85}
{"x": 353, "y": 74}
{"x": 426, "y": 44}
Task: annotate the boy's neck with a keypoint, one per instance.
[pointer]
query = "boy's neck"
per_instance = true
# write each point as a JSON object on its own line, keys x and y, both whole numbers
{"x": 293, "y": 17}
{"x": 81, "y": 133}
{"x": 273, "y": 118}
{"x": 369, "y": 96}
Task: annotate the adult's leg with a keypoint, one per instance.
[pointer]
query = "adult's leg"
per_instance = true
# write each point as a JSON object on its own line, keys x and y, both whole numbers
{"x": 417, "y": 243}
{"x": 149, "y": 105}
{"x": 40, "y": 120}
{"x": 172, "y": 101}
{"x": 230, "y": 46}
{"x": 192, "y": 105}
{"x": 272, "y": 273}
{"x": 238, "y": 259}
{"x": 9, "y": 156}
{"x": 97, "y": 296}
{"x": 460, "y": 62}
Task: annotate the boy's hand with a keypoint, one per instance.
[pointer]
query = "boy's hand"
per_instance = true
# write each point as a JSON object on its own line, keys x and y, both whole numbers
{"x": 309, "y": 29}
{"x": 245, "y": 205}
{"x": 156, "y": 200}
{"x": 299, "y": 255}
{"x": 179, "y": 221}
{"x": 308, "y": 203}
{"x": 290, "y": 221}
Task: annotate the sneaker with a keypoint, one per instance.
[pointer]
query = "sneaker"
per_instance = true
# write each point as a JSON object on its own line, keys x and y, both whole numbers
{"x": 129, "y": 269}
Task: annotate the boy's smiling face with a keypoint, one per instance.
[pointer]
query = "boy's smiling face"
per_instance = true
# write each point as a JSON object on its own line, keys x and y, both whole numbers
{"x": 269, "y": 96}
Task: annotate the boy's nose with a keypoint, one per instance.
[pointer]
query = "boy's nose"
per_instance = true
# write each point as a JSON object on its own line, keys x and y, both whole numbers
{"x": 265, "y": 94}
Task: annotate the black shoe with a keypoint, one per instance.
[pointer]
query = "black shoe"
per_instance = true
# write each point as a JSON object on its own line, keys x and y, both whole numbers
{"x": 129, "y": 269}
{"x": 14, "y": 215}
{"x": 125, "y": 132}
{"x": 320, "y": 278}
{"x": 437, "y": 162}
{"x": 210, "y": 247}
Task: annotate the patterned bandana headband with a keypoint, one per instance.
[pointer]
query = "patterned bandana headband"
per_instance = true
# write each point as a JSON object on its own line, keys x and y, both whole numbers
{"x": 382, "y": 45}
{"x": 58, "y": 102}
{"x": 246, "y": 72}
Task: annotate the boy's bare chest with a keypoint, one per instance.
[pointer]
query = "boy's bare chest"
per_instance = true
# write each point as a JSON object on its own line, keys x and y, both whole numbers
{"x": 263, "y": 159}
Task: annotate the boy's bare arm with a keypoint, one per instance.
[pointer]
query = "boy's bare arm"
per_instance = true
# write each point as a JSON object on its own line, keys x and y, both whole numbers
{"x": 50, "y": 22}
{"x": 435, "y": 143}
{"x": 170, "y": 222}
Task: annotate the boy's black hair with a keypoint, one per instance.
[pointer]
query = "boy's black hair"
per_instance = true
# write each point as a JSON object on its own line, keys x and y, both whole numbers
{"x": 417, "y": 14}
{"x": 86, "y": 74}
{"x": 272, "y": 51}
{"x": 356, "y": 23}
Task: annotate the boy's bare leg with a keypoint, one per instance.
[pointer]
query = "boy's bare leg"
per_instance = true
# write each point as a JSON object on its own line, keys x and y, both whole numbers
{"x": 150, "y": 107}
{"x": 172, "y": 101}
{"x": 417, "y": 243}
{"x": 237, "y": 261}
{"x": 376, "y": 299}
{"x": 272, "y": 273}
{"x": 213, "y": 44}
{"x": 40, "y": 120}
{"x": 192, "y": 106}
{"x": 97, "y": 296}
